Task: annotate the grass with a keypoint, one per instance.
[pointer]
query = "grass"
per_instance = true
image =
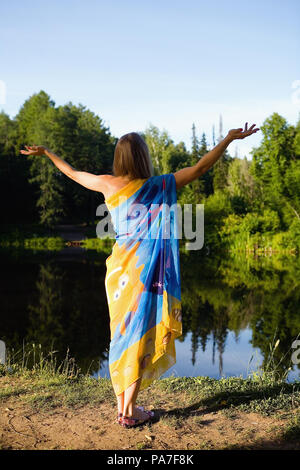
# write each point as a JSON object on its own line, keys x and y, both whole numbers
{"x": 35, "y": 243}
{"x": 39, "y": 382}
{"x": 99, "y": 244}
{"x": 264, "y": 391}
{"x": 292, "y": 431}
{"x": 47, "y": 387}
{"x": 30, "y": 236}
{"x": 44, "y": 390}
{"x": 43, "y": 383}
{"x": 263, "y": 396}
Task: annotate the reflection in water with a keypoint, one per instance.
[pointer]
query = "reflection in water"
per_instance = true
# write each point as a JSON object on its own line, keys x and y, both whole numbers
{"x": 232, "y": 307}
{"x": 59, "y": 303}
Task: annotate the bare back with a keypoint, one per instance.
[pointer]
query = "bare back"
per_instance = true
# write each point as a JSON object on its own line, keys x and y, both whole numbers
{"x": 113, "y": 184}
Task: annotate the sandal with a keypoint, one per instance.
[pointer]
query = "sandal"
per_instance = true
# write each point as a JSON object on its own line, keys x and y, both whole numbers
{"x": 120, "y": 415}
{"x": 128, "y": 422}
{"x": 149, "y": 413}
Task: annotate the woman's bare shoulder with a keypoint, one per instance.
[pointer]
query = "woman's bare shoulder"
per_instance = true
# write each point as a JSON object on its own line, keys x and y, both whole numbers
{"x": 113, "y": 184}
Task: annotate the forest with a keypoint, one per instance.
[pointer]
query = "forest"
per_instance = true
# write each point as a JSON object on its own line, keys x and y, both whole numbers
{"x": 248, "y": 204}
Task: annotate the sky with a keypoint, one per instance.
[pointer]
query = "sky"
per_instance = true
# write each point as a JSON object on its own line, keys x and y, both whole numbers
{"x": 166, "y": 63}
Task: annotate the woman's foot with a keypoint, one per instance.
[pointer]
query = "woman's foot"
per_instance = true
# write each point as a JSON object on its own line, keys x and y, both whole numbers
{"x": 149, "y": 412}
{"x": 138, "y": 417}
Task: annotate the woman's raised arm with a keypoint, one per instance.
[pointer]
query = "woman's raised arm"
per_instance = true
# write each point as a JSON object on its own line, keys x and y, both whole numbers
{"x": 189, "y": 174}
{"x": 97, "y": 183}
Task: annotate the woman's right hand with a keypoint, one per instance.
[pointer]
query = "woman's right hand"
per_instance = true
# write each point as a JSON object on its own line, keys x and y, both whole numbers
{"x": 37, "y": 150}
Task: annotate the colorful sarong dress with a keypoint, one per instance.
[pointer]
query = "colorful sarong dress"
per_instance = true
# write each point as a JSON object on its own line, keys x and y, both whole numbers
{"x": 143, "y": 281}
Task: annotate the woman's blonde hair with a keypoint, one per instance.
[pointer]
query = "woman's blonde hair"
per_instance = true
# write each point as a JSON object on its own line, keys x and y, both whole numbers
{"x": 132, "y": 157}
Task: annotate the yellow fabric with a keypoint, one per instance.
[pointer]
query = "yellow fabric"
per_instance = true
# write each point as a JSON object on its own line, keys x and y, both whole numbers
{"x": 154, "y": 352}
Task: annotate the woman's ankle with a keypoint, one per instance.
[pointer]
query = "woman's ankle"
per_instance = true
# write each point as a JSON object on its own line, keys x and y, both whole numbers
{"x": 128, "y": 410}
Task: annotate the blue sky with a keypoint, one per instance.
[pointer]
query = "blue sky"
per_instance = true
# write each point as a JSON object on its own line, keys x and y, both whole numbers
{"x": 163, "y": 62}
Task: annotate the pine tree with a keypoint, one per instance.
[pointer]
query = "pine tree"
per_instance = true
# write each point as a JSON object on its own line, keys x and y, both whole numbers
{"x": 15, "y": 190}
{"x": 33, "y": 122}
{"x": 207, "y": 178}
{"x": 220, "y": 168}
{"x": 198, "y": 184}
{"x": 78, "y": 136}
{"x": 213, "y": 136}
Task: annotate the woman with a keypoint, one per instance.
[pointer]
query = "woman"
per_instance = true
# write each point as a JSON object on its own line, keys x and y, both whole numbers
{"x": 143, "y": 273}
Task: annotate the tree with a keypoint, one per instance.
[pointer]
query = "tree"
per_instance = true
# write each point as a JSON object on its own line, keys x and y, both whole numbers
{"x": 207, "y": 178}
{"x": 220, "y": 168}
{"x": 34, "y": 122}
{"x": 241, "y": 185}
{"x": 275, "y": 167}
{"x": 198, "y": 184}
{"x": 178, "y": 157}
{"x": 159, "y": 144}
{"x": 78, "y": 136}
{"x": 19, "y": 197}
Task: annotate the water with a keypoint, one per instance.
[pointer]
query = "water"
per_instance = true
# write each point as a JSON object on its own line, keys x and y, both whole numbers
{"x": 233, "y": 309}
{"x": 233, "y": 362}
